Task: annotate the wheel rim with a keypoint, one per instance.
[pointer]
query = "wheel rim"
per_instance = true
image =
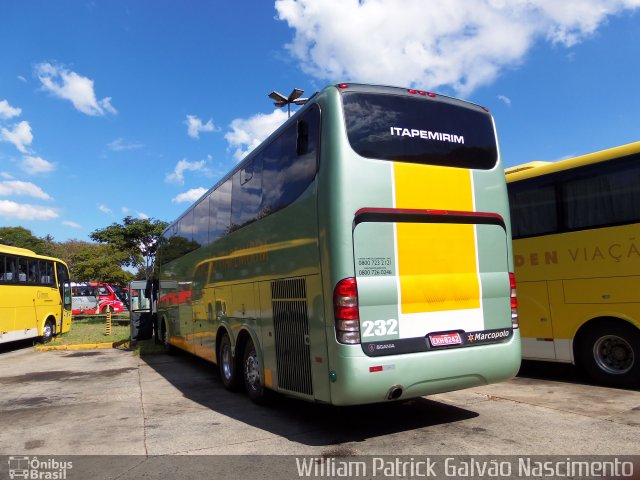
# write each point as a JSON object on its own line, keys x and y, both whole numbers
{"x": 613, "y": 354}
{"x": 47, "y": 332}
{"x": 226, "y": 361}
{"x": 252, "y": 370}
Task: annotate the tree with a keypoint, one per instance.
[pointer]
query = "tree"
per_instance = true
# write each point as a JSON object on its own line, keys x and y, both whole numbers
{"x": 137, "y": 238}
{"x": 100, "y": 263}
{"x": 23, "y": 238}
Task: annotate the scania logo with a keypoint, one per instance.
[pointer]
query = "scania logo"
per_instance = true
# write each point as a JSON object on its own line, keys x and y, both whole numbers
{"x": 372, "y": 347}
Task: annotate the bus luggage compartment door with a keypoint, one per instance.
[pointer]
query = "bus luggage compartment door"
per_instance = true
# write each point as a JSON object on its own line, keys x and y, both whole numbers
{"x": 428, "y": 281}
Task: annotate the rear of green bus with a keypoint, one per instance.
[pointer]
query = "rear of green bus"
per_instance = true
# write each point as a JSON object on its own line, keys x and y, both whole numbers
{"x": 415, "y": 246}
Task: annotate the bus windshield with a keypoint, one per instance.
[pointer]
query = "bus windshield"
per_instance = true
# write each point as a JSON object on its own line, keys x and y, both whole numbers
{"x": 417, "y": 130}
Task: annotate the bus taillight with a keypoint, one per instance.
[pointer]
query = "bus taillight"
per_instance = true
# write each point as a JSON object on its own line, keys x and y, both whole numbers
{"x": 514, "y": 301}
{"x": 345, "y": 308}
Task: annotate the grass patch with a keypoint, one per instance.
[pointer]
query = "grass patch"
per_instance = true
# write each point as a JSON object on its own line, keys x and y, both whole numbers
{"x": 92, "y": 330}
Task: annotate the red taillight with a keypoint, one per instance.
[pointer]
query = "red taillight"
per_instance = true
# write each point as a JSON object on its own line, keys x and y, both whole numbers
{"x": 431, "y": 94}
{"x": 343, "y": 85}
{"x": 412, "y": 91}
{"x": 345, "y": 308}
{"x": 514, "y": 301}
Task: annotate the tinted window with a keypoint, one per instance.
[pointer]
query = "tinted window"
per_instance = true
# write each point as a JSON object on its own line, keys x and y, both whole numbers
{"x": 201, "y": 223}
{"x": 220, "y": 210}
{"x": 46, "y": 272}
{"x": 612, "y": 197}
{"x": 247, "y": 193}
{"x": 63, "y": 274}
{"x": 185, "y": 226}
{"x": 5, "y": 274}
{"x": 593, "y": 196}
{"x": 419, "y": 130}
{"x": 533, "y": 209}
{"x": 290, "y": 163}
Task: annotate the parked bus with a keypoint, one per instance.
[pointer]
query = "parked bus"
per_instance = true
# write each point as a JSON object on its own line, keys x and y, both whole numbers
{"x": 362, "y": 253}
{"x": 576, "y": 237}
{"x": 35, "y": 295}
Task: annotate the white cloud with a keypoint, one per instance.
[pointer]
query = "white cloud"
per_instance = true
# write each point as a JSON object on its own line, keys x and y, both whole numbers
{"x": 195, "y": 126}
{"x": 25, "y": 211}
{"x": 20, "y": 136}
{"x": 7, "y": 111}
{"x": 36, "y": 165}
{"x": 16, "y": 187}
{"x": 143, "y": 216}
{"x": 246, "y": 134}
{"x": 68, "y": 85}
{"x": 119, "y": 145}
{"x": 184, "y": 165}
{"x": 69, "y": 223}
{"x": 189, "y": 196}
{"x": 505, "y": 99}
{"x": 460, "y": 44}
{"x": 104, "y": 209}
{"x": 6, "y": 175}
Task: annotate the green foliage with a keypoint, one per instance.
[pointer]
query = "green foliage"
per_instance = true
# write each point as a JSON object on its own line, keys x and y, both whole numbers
{"x": 99, "y": 263}
{"x": 136, "y": 238}
{"x": 23, "y": 238}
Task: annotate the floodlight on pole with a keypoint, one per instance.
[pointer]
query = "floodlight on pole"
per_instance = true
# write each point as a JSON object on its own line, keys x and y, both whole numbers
{"x": 280, "y": 100}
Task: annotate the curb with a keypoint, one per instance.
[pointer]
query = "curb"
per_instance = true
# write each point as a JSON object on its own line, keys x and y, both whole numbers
{"x": 82, "y": 346}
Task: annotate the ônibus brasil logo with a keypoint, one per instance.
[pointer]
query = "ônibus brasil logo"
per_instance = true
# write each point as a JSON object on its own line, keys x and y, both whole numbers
{"x": 36, "y": 469}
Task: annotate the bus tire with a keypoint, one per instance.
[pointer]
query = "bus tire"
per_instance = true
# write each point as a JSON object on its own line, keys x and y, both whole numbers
{"x": 610, "y": 354}
{"x": 48, "y": 331}
{"x": 227, "y": 365}
{"x": 253, "y": 381}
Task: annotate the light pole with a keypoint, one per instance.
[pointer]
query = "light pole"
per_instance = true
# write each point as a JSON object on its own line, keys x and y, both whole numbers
{"x": 294, "y": 97}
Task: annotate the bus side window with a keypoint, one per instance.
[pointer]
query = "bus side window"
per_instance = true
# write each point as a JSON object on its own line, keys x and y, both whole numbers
{"x": 23, "y": 268}
{"x": 11, "y": 269}
{"x": 302, "y": 140}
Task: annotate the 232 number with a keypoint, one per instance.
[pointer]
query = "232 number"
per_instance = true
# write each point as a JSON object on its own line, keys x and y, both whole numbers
{"x": 380, "y": 328}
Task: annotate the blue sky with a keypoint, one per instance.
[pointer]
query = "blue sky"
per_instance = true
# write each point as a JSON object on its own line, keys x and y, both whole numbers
{"x": 115, "y": 108}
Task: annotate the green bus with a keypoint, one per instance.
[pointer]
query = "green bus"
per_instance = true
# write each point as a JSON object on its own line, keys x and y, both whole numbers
{"x": 360, "y": 254}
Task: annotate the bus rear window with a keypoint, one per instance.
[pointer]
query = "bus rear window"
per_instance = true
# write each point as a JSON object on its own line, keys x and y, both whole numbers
{"x": 417, "y": 130}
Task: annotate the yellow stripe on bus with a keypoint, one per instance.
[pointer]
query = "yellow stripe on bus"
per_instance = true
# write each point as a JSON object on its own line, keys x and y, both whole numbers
{"x": 436, "y": 262}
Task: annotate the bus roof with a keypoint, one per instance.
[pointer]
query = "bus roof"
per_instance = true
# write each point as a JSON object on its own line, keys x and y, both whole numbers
{"x": 26, "y": 253}
{"x": 535, "y": 169}
{"x": 17, "y": 250}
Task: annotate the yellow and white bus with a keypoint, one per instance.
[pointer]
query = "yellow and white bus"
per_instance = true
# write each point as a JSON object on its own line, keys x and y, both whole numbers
{"x": 576, "y": 231}
{"x": 35, "y": 295}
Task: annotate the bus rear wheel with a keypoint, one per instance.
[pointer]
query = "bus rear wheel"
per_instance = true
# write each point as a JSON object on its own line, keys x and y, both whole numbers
{"x": 227, "y": 365}
{"x": 610, "y": 354}
{"x": 253, "y": 382}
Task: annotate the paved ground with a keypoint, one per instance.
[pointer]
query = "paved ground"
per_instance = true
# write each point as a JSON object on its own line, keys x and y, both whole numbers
{"x": 112, "y": 402}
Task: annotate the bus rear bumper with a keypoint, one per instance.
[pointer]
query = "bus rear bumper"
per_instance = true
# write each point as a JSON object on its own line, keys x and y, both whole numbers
{"x": 360, "y": 379}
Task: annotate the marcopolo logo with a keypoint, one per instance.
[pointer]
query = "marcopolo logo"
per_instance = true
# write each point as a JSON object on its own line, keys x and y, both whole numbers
{"x": 38, "y": 469}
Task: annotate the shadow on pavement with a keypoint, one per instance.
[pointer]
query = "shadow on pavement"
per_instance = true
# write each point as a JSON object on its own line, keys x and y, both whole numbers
{"x": 304, "y": 422}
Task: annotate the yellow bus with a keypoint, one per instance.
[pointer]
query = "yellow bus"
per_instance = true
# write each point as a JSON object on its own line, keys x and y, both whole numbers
{"x": 35, "y": 295}
{"x": 576, "y": 244}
